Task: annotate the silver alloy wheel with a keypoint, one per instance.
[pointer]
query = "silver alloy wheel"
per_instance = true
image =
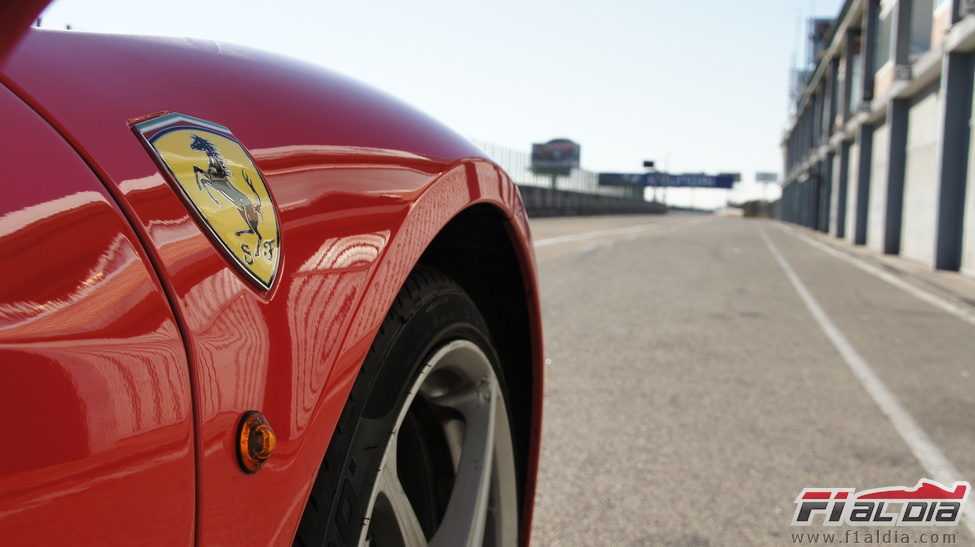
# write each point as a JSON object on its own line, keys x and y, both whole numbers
{"x": 482, "y": 507}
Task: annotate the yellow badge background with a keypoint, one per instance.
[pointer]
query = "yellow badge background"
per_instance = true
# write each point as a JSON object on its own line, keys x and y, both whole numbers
{"x": 224, "y": 218}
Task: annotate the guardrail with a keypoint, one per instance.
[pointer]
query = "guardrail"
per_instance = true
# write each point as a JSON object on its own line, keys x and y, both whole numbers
{"x": 546, "y": 202}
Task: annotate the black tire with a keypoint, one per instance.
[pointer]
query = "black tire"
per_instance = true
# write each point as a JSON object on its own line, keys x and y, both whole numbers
{"x": 430, "y": 310}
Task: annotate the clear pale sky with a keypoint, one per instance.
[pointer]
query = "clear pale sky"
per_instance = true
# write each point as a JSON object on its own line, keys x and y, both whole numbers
{"x": 696, "y": 86}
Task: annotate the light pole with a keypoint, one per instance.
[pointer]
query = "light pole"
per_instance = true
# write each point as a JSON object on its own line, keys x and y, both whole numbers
{"x": 649, "y": 166}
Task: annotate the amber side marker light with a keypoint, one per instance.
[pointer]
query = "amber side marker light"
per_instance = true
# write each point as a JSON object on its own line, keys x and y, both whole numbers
{"x": 255, "y": 441}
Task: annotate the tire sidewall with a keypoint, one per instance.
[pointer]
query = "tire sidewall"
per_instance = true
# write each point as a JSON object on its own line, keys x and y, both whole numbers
{"x": 419, "y": 324}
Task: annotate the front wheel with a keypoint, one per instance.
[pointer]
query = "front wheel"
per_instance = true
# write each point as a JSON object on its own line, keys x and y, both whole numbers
{"x": 423, "y": 452}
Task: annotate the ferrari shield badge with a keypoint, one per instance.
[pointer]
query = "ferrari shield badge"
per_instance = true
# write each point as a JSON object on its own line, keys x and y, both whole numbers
{"x": 219, "y": 180}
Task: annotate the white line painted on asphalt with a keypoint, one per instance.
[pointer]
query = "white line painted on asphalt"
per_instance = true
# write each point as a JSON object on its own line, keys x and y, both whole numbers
{"x": 958, "y": 311}
{"x": 927, "y": 453}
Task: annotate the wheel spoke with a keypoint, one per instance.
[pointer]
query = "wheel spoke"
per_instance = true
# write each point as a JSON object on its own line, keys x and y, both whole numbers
{"x": 482, "y": 508}
{"x": 464, "y": 520}
{"x": 502, "y": 521}
{"x": 392, "y": 490}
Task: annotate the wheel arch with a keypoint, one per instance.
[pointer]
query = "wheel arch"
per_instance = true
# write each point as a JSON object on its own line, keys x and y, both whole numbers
{"x": 478, "y": 249}
{"x": 468, "y": 222}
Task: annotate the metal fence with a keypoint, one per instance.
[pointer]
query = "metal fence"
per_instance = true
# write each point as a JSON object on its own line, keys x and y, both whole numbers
{"x": 518, "y": 166}
{"x": 578, "y": 193}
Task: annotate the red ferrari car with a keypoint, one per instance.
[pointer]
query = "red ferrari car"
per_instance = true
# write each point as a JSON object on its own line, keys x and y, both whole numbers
{"x": 247, "y": 301}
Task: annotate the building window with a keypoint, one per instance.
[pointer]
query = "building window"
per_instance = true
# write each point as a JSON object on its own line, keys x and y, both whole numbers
{"x": 835, "y": 102}
{"x": 884, "y": 27}
{"x": 922, "y": 17}
{"x": 856, "y": 82}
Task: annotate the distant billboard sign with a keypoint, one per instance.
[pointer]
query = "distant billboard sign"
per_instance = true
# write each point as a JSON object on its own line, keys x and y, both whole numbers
{"x": 555, "y": 157}
{"x": 684, "y": 180}
{"x": 766, "y": 177}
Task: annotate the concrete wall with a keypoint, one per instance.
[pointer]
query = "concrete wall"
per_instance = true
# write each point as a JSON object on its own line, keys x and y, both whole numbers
{"x": 968, "y": 242}
{"x": 834, "y": 196}
{"x": 968, "y": 234}
{"x": 876, "y": 215}
{"x": 851, "y": 191}
{"x": 919, "y": 223}
{"x": 540, "y": 202}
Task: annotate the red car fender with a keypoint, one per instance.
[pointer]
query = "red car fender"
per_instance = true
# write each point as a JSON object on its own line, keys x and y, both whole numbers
{"x": 362, "y": 183}
{"x": 16, "y": 16}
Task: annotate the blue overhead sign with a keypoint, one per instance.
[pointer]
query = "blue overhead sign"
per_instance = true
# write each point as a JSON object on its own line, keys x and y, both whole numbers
{"x": 692, "y": 180}
{"x": 685, "y": 180}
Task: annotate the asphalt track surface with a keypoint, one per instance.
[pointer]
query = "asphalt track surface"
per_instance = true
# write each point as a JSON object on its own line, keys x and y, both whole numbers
{"x": 704, "y": 370}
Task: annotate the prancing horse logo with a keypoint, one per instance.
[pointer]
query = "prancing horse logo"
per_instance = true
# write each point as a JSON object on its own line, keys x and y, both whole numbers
{"x": 243, "y": 219}
{"x": 217, "y": 176}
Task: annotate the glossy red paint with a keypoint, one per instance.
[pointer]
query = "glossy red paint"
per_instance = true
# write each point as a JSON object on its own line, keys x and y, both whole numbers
{"x": 16, "y": 16}
{"x": 94, "y": 382}
{"x": 362, "y": 183}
